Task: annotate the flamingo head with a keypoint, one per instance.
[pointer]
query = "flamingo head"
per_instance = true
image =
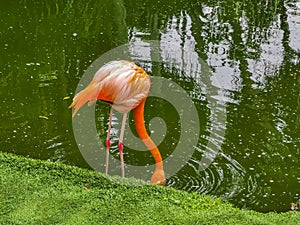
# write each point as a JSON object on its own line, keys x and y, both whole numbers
{"x": 158, "y": 177}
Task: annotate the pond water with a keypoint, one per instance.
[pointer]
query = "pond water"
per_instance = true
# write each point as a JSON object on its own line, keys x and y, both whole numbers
{"x": 248, "y": 107}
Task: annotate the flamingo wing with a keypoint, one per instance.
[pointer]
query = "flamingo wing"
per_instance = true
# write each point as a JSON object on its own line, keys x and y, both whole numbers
{"x": 121, "y": 83}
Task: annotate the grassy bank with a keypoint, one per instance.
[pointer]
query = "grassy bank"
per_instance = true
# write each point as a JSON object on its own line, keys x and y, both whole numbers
{"x": 38, "y": 192}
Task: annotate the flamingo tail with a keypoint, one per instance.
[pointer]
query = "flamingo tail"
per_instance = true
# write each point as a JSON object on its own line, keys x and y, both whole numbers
{"x": 88, "y": 95}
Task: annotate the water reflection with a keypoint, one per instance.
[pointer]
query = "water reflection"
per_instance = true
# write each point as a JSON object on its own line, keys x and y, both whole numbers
{"x": 252, "y": 184}
{"x": 293, "y": 17}
{"x": 251, "y": 48}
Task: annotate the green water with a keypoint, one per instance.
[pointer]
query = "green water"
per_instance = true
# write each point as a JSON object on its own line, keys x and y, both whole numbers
{"x": 252, "y": 48}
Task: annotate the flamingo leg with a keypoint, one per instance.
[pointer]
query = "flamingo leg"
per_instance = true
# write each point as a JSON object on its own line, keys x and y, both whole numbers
{"x": 120, "y": 145}
{"x": 108, "y": 141}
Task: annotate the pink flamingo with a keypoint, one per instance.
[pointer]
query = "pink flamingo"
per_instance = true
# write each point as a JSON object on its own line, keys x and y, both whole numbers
{"x": 125, "y": 87}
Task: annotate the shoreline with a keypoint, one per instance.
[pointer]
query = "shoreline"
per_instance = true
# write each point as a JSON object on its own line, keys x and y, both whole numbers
{"x": 40, "y": 192}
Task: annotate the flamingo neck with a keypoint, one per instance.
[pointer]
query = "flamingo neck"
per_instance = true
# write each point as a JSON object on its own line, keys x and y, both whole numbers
{"x": 141, "y": 130}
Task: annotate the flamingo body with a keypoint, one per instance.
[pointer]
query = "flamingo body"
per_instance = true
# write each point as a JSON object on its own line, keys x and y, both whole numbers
{"x": 121, "y": 83}
{"x": 125, "y": 86}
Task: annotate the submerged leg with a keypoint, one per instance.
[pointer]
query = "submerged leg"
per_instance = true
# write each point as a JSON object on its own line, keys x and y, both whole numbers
{"x": 120, "y": 145}
{"x": 108, "y": 140}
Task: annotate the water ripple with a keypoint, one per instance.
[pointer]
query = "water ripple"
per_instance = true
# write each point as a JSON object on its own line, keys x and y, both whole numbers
{"x": 210, "y": 180}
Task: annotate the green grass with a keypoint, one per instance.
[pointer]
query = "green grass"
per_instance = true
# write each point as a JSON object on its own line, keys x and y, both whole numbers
{"x": 38, "y": 192}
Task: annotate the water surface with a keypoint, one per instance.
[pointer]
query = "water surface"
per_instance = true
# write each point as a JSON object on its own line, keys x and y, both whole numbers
{"x": 252, "y": 49}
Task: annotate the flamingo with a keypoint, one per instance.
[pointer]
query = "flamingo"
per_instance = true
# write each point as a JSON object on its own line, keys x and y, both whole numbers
{"x": 124, "y": 86}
